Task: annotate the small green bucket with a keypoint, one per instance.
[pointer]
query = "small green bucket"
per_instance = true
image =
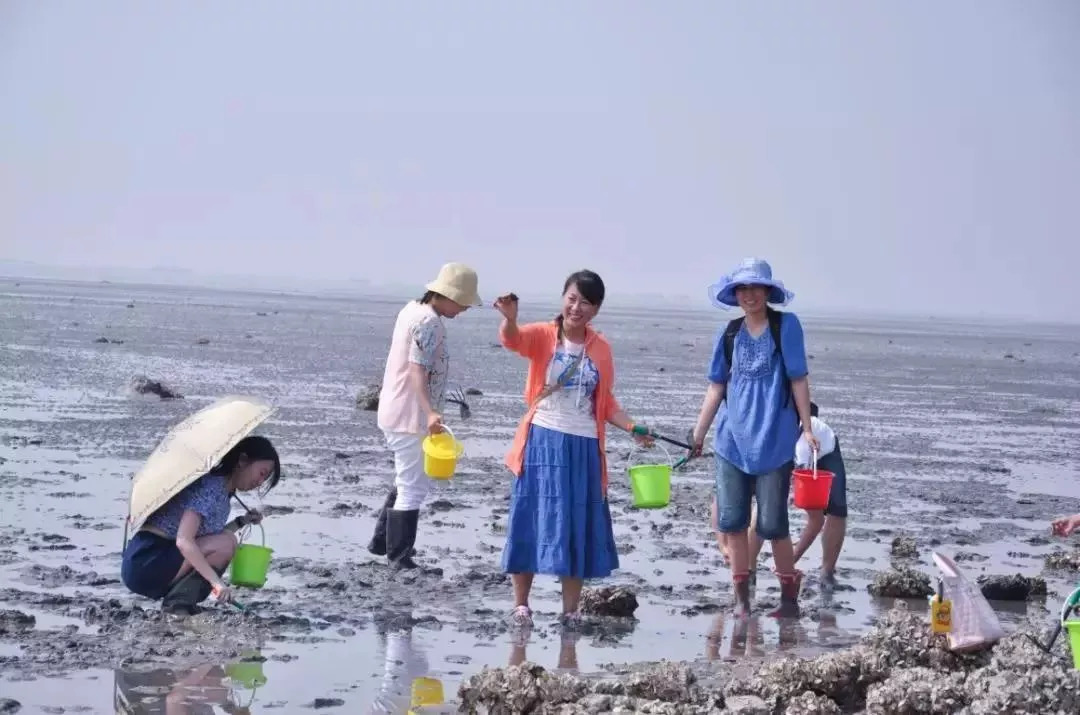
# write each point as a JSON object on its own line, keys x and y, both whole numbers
{"x": 1072, "y": 627}
{"x": 651, "y": 483}
{"x": 250, "y": 563}
{"x": 247, "y": 673}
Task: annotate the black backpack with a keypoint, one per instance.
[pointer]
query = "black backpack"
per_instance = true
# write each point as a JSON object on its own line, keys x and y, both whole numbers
{"x": 733, "y": 328}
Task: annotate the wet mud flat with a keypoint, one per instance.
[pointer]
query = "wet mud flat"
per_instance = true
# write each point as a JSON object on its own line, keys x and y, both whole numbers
{"x": 975, "y": 473}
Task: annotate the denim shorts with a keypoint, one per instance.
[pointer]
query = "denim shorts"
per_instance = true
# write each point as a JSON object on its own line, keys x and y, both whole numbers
{"x": 150, "y": 564}
{"x": 834, "y": 462}
{"x": 734, "y": 489}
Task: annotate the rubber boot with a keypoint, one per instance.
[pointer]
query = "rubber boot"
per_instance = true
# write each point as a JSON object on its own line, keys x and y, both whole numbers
{"x": 377, "y": 545}
{"x": 186, "y": 594}
{"x": 790, "y": 585}
{"x": 741, "y": 582}
{"x": 400, "y": 537}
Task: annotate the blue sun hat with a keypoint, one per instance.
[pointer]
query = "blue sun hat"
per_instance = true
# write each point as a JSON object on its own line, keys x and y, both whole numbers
{"x": 752, "y": 271}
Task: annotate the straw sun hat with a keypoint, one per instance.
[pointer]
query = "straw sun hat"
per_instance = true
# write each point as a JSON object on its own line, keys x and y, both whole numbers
{"x": 457, "y": 282}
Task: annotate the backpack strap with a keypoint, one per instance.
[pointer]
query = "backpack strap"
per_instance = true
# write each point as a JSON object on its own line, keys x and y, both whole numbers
{"x": 776, "y": 319}
{"x": 730, "y": 332}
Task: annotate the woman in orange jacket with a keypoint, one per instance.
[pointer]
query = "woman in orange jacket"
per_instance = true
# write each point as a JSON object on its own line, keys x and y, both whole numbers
{"x": 559, "y": 521}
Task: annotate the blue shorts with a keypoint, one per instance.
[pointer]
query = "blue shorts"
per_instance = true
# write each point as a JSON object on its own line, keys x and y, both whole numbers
{"x": 834, "y": 462}
{"x": 734, "y": 489}
{"x": 150, "y": 564}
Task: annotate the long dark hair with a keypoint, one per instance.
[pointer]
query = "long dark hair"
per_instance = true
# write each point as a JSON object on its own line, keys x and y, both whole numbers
{"x": 591, "y": 287}
{"x": 255, "y": 447}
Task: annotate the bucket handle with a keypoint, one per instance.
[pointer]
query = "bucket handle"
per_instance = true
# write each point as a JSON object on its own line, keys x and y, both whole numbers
{"x": 634, "y": 446}
{"x": 1073, "y": 601}
{"x": 247, "y": 528}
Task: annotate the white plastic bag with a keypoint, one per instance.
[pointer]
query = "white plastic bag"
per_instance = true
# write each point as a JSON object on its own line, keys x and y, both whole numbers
{"x": 974, "y": 623}
{"x": 826, "y": 437}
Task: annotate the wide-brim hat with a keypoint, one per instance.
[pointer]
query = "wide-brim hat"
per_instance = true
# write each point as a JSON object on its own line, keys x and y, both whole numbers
{"x": 457, "y": 282}
{"x": 752, "y": 271}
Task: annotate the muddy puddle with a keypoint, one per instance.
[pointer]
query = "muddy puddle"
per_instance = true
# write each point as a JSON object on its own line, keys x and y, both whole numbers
{"x": 949, "y": 444}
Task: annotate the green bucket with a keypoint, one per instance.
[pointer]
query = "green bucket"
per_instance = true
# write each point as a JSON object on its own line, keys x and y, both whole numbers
{"x": 247, "y": 673}
{"x": 1072, "y": 627}
{"x": 250, "y": 563}
{"x": 651, "y": 483}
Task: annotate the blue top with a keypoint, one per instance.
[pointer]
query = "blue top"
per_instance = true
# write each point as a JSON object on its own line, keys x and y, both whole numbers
{"x": 755, "y": 432}
{"x": 208, "y": 495}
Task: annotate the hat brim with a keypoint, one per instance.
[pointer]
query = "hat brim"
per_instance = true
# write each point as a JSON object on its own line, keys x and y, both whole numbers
{"x": 465, "y": 301}
{"x": 722, "y": 293}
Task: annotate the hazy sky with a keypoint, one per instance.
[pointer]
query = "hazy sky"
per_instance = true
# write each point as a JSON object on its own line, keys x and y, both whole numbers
{"x": 896, "y": 155}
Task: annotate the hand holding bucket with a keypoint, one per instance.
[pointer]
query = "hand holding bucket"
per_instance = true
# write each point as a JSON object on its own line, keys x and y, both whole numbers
{"x": 441, "y": 452}
{"x": 812, "y": 486}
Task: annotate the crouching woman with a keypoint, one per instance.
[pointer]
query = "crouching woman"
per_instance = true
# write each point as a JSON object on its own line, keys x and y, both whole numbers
{"x": 183, "y": 548}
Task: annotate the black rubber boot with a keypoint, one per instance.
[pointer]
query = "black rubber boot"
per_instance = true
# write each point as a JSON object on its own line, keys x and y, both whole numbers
{"x": 186, "y": 594}
{"x": 377, "y": 545}
{"x": 400, "y": 537}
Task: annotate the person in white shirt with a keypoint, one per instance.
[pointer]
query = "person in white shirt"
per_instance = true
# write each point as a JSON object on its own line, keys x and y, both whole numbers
{"x": 410, "y": 403}
{"x": 830, "y": 522}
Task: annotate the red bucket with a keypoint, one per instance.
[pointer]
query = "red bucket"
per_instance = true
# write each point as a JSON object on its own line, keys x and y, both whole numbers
{"x": 812, "y": 488}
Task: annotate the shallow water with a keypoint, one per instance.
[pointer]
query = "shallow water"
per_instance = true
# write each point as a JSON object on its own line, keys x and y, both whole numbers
{"x": 961, "y": 435}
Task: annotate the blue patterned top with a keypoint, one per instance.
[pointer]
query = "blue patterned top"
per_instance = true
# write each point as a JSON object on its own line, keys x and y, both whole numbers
{"x": 208, "y": 495}
{"x": 755, "y": 431}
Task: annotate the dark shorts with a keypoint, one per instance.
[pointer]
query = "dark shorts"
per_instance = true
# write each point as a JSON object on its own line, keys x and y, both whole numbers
{"x": 150, "y": 564}
{"x": 834, "y": 462}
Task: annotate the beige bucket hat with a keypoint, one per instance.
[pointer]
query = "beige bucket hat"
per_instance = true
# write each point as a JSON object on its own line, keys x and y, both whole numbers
{"x": 457, "y": 282}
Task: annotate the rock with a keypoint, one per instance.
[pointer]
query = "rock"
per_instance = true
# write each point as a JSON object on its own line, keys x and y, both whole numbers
{"x": 904, "y": 547}
{"x": 900, "y": 582}
{"x": 12, "y": 621}
{"x": 614, "y": 601}
{"x": 1011, "y": 588}
{"x": 472, "y": 391}
{"x": 143, "y": 385}
{"x": 202, "y": 341}
{"x": 9, "y": 706}
{"x": 917, "y": 691}
{"x": 810, "y": 704}
{"x": 1063, "y": 561}
{"x": 320, "y": 703}
{"x": 368, "y": 397}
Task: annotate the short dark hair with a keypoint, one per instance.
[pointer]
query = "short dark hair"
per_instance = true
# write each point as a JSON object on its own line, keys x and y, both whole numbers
{"x": 429, "y": 296}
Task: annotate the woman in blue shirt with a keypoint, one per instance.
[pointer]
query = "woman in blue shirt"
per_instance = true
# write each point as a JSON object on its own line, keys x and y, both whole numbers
{"x": 182, "y": 549}
{"x": 759, "y": 371}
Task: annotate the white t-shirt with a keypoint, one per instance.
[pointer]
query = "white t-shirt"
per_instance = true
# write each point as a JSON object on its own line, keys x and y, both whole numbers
{"x": 571, "y": 409}
{"x": 824, "y": 435}
{"x": 419, "y": 337}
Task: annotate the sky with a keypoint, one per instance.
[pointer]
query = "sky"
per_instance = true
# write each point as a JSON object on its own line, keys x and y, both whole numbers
{"x": 916, "y": 157}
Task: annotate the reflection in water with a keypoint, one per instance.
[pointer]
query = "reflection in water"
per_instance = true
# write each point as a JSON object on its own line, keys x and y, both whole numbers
{"x": 747, "y": 639}
{"x": 165, "y": 691}
{"x": 406, "y": 681}
{"x": 568, "y": 660}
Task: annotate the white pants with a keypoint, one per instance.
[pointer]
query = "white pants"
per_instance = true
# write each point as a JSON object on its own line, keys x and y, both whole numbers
{"x": 409, "y": 477}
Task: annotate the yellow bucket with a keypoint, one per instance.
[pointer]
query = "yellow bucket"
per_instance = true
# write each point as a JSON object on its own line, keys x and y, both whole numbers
{"x": 427, "y": 691}
{"x": 441, "y": 452}
{"x": 1072, "y": 625}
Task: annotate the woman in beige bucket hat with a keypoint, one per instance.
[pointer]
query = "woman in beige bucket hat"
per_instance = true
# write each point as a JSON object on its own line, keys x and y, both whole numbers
{"x": 410, "y": 403}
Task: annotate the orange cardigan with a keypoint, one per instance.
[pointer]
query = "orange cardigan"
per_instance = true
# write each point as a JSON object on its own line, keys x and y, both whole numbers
{"x": 536, "y": 342}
